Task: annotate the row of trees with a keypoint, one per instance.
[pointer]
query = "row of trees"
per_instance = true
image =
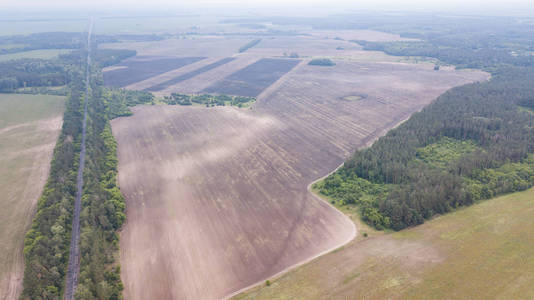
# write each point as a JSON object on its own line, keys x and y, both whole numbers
{"x": 208, "y": 100}
{"x": 103, "y": 206}
{"x": 46, "y": 246}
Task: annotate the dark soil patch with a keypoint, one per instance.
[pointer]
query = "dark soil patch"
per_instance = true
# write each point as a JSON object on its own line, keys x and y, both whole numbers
{"x": 252, "y": 80}
{"x": 140, "y": 68}
{"x": 183, "y": 77}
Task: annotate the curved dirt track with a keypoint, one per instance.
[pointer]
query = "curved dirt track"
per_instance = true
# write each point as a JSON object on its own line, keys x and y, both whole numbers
{"x": 217, "y": 198}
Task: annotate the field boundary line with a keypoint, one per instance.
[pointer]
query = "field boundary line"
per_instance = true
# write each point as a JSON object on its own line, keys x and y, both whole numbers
{"x": 366, "y": 142}
{"x": 276, "y": 85}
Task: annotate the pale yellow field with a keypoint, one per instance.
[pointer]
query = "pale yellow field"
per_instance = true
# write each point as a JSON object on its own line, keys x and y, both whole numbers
{"x": 29, "y": 127}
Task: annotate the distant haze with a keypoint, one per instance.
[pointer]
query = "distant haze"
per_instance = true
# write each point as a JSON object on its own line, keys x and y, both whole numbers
{"x": 287, "y": 7}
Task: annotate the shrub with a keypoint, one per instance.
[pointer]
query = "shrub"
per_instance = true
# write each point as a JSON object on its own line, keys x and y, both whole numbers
{"x": 321, "y": 62}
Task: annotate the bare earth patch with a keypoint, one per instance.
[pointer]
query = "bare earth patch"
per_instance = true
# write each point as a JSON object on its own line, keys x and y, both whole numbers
{"x": 217, "y": 198}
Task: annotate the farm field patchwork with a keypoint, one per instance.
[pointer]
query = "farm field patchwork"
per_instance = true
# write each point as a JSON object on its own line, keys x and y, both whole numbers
{"x": 485, "y": 251}
{"x": 197, "y": 84}
{"x": 210, "y": 46}
{"x": 189, "y": 75}
{"x": 253, "y": 79}
{"x": 140, "y": 68}
{"x": 29, "y": 127}
{"x": 217, "y": 198}
{"x": 209, "y": 74}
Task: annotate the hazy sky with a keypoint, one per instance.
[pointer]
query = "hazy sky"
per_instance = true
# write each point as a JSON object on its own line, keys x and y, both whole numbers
{"x": 525, "y": 7}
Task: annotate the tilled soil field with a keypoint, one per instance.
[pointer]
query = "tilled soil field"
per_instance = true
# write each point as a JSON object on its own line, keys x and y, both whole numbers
{"x": 217, "y": 198}
{"x": 140, "y": 68}
{"x": 198, "y": 83}
{"x": 253, "y": 79}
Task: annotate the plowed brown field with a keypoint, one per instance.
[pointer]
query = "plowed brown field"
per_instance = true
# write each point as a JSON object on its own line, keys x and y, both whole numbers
{"x": 217, "y": 198}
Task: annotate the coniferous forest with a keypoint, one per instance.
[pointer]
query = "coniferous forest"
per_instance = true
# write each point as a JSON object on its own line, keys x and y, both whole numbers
{"x": 474, "y": 142}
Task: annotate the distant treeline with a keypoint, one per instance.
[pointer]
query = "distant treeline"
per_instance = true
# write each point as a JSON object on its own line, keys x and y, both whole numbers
{"x": 35, "y": 41}
{"x": 321, "y": 62}
{"x": 481, "y": 58}
{"x": 208, "y": 100}
{"x": 23, "y": 73}
{"x": 64, "y": 40}
{"x": 249, "y": 45}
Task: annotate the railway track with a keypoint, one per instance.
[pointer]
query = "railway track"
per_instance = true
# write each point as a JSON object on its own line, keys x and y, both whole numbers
{"x": 74, "y": 255}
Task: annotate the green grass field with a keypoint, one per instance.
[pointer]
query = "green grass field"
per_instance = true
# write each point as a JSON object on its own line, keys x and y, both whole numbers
{"x": 485, "y": 251}
{"x": 42, "y": 54}
{"x": 29, "y": 127}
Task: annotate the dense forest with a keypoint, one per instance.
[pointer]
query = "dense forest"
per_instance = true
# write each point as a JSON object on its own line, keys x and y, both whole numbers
{"x": 474, "y": 142}
{"x": 24, "y": 73}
